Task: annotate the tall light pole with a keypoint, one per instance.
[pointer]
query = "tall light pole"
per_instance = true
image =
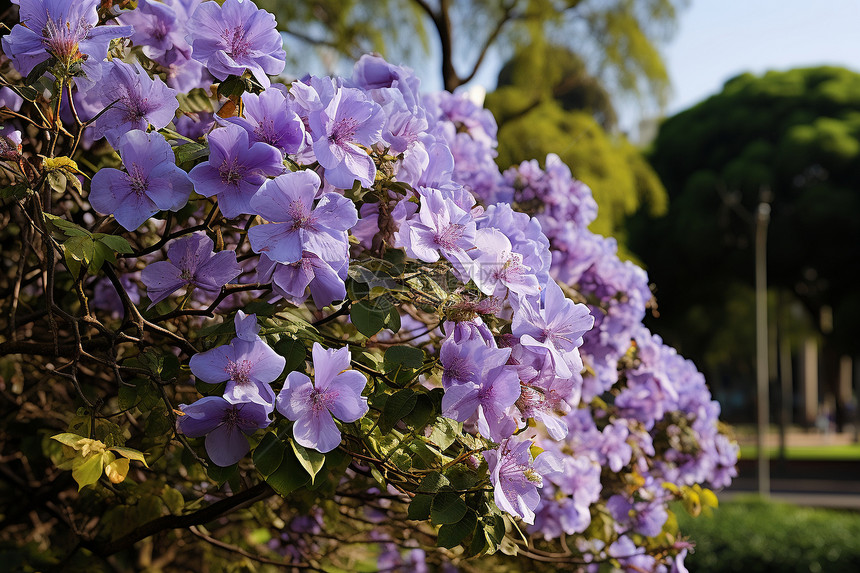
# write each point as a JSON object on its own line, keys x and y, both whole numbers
{"x": 763, "y": 401}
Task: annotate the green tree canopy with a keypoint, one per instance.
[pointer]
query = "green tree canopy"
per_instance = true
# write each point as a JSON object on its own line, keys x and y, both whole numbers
{"x": 548, "y": 103}
{"x": 791, "y": 136}
{"x": 619, "y": 38}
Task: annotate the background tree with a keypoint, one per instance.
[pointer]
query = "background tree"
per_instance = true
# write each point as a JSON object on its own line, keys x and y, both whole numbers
{"x": 618, "y": 39}
{"x": 547, "y": 102}
{"x": 794, "y": 136}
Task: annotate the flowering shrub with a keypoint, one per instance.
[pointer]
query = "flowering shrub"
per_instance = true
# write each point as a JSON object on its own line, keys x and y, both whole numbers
{"x": 323, "y": 290}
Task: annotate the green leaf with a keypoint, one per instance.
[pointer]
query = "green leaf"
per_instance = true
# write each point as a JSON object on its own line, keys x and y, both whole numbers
{"x": 497, "y": 532}
{"x": 293, "y": 350}
{"x": 451, "y": 535}
{"x": 397, "y": 258}
{"x": 432, "y": 482}
{"x": 422, "y": 412}
{"x": 173, "y": 500}
{"x": 170, "y": 366}
{"x": 18, "y": 191}
{"x": 37, "y": 72}
{"x": 89, "y": 471}
{"x": 67, "y": 439}
{"x": 461, "y": 478}
{"x": 56, "y": 180}
{"x": 419, "y": 507}
{"x": 221, "y": 474}
{"x": 392, "y": 319}
{"x": 310, "y": 459}
{"x": 101, "y": 253}
{"x": 368, "y": 317}
{"x": 232, "y": 86}
{"x": 424, "y": 457}
{"x": 80, "y": 248}
{"x": 356, "y": 290}
{"x": 397, "y": 406}
{"x": 377, "y": 475}
{"x": 269, "y": 454}
{"x": 403, "y": 357}
{"x": 117, "y": 469}
{"x": 26, "y": 92}
{"x": 448, "y": 507}
{"x": 479, "y": 543}
{"x": 130, "y": 453}
{"x": 444, "y": 433}
{"x": 189, "y": 152}
{"x": 114, "y": 242}
{"x": 289, "y": 476}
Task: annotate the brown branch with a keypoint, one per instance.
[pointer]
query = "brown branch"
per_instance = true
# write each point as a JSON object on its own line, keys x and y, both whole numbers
{"x": 209, "y": 513}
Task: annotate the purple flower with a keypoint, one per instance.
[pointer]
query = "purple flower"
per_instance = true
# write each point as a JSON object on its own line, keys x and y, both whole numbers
{"x": 613, "y": 448}
{"x": 497, "y": 269}
{"x": 488, "y": 400}
{"x": 236, "y": 36}
{"x": 297, "y": 225}
{"x": 270, "y": 118}
{"x": 160, "y": 28}
{"x": 557, "y": 328}
{"x": 10, "y": 99}
{"x": 195, "y": 125}
{"x": 439, "y": 227}
{"x": 223, "y": 424}
{"x": 235, "y": 169}
{"x": 545, "y": 397}
{"x": 336, "y": 391}
{"x": 468, "y": 358}
{"x": 65, "y": 30}
{"x": 515, "y": 477}
{"x": 292, "y": 280}
{"x": 247, "y": 364}
{"x": 193, "y": 263}
{"x": 644, "y": 517}
{"x": 151, "y": 182}
{"x": 140, "y": 101}
{"x": 348, "y": 120}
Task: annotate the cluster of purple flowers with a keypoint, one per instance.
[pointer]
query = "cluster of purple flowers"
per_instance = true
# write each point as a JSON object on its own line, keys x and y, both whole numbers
{"x": 249, "y": 366}
{"x": 518, "y": 241}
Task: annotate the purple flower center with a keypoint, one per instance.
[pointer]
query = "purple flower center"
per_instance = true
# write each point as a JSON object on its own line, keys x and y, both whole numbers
{"x": 137, "y": 180}
{"x": 233, "y": 417}
{"x": 301, "y": 215}
{"x": 343, "y": 131}
{"x": 265, "y": 132}
{"x": 555, "y": 338}
{"x": 530, "y": 400}
{"x": 459, "y": 369}
{"x": 136, "y": 107}
{"x": 61, "y": 39}
{"x": 514, "y": 476}
{"x": 321, "y": 400}
{"x": 160, "y": 31}
{"x": 239, "y": 372}
{"x": 238, "y": 46}
{"x": 231, "y": 171}
{"x": 448, "y": 238}
{"x": 512, "y": 267}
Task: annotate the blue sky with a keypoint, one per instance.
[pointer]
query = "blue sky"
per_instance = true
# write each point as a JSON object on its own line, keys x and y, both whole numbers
{"x": 718, "y": 39}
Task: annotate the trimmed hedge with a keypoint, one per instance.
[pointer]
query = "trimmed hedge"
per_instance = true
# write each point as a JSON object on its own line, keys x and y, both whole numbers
{"x": 751, "y": 536}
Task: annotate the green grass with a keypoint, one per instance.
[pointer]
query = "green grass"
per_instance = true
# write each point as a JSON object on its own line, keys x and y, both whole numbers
{"x": 823, "y": 452}
{"x": 749, "y": 535}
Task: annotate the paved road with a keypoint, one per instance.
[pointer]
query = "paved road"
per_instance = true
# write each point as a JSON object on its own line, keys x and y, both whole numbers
{"x": 813, "y": 483}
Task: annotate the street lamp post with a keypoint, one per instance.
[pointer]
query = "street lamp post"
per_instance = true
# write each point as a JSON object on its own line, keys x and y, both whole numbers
{"x": 761, "y": 222}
